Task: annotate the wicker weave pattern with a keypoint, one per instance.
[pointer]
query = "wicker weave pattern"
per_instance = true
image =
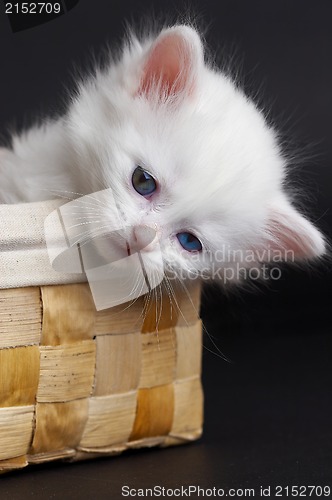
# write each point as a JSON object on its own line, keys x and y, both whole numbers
{"x": 76, "y": 383}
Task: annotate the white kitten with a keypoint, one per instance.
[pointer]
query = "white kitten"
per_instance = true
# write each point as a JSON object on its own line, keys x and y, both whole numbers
{"x": 184, "y": 151}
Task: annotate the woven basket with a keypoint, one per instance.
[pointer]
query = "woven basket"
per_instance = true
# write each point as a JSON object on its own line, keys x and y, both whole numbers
{"x": 76, "y": 383}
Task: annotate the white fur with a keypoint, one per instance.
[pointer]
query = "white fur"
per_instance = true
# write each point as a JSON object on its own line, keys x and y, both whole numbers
{"x": 218, "y": 164}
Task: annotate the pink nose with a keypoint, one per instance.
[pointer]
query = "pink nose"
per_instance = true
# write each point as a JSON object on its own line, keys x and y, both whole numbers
{"x": 145, "y": 238}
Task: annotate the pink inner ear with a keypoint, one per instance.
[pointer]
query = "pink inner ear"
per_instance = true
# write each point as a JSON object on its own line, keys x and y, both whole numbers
{"x": 292, "y": 233}
{"x": 168, "y": 66}
{"x": 286, "y": 240}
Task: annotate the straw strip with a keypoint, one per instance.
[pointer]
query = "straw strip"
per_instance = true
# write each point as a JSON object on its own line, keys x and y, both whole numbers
{"x": 188, "y": 409}
{"x": 19, "y": 375}
{"x": 189, "y": 350}
{"x": 59, "y": 426}
{"x": 147, "y": 442}
{"x": 110, "y": 420}
{"x": 20, "y": 317}
{"x": 66, "y": 372}
{"x": 53, "y": 455}
{"x": 158, "y": 358}
{"x": 118, "y": 364}
{"x": 13, "y": 463}
{"x": 15, "y": 431}
{"x": 68, "y": 314}
{"x": 185, "y": 437}
{"x": 89, "y": 453}
{"x": 154, "y": 413}
{"x": 125, "y": 318}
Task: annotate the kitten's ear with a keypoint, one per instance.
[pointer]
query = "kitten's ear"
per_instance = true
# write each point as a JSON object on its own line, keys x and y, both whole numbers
{"x": 172, "y": 64}
{"x": 291, "y": 234}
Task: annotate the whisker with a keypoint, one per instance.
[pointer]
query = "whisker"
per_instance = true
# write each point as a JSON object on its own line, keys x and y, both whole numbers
{"x": 157, "y": 317}
{"x": 167, "y": 286}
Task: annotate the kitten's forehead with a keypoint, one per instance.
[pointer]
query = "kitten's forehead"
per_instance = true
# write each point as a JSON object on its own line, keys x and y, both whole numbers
{"x": 218, "y": 137}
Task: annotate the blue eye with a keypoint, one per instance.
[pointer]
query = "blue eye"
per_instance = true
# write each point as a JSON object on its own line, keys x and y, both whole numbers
{"x": 143, "y": 182}
{"x": 189, "y": 242}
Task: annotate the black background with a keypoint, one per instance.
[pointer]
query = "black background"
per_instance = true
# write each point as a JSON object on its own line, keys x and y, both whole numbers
{"x": 268, "y": 414}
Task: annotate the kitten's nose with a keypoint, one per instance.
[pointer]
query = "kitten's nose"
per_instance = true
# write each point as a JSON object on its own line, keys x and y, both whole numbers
{"x": 145, "y": 237}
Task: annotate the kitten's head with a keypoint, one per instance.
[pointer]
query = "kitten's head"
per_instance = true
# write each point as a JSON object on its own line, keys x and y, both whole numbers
{"x": 189, "y": 155}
